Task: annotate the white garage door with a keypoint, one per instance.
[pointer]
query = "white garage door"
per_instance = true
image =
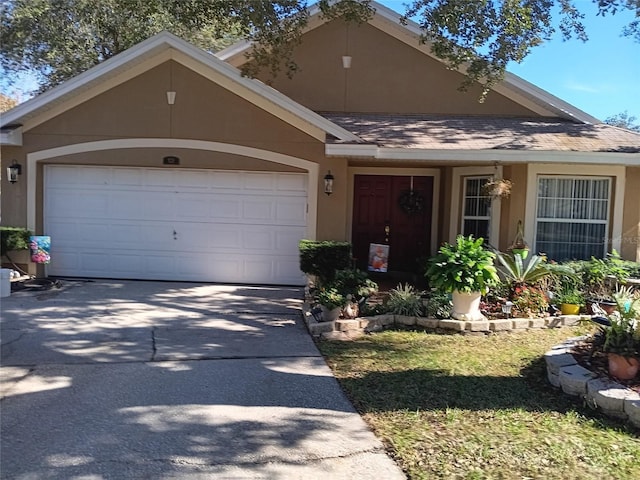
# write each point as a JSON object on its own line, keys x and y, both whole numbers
{"x": 175, "y": 224}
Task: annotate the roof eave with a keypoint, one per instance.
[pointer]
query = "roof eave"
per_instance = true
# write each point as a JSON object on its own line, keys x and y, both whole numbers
{"x": 480, "y": 156}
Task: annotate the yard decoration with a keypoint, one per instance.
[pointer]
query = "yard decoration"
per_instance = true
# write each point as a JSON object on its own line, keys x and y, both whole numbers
{"x": 466, "y": 270}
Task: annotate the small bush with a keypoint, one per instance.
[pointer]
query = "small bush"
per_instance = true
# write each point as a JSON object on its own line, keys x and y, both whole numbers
{"x": 324, "y": 258}
{"x": 405, "y": 300}
{"x": 13, "y": 238}
{"x": 438, "y": 305}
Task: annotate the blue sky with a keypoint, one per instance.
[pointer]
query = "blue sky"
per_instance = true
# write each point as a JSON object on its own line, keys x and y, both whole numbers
{"x": 600, "y": 76}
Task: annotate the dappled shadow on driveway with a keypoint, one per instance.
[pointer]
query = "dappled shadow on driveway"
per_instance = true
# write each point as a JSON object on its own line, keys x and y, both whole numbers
{"x": 148, "y": 380}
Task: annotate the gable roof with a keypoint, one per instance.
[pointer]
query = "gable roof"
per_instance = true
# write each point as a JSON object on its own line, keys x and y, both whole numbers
{"x": 143, "y": 56}
{"x": 513, "y": 87}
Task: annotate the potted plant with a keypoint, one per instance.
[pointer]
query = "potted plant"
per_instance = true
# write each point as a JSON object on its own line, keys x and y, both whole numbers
{"x": 331, "y": 301}
{"x": 466, "y": 270}
{"x": 570, "y": 300}
{"x": 345, "y": 293}
{"x": 497, "y": 187}
{"x": 622, "y": 336}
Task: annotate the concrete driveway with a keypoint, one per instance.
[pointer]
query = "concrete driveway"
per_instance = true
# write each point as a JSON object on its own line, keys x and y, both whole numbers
{"x": 123, "y": 379}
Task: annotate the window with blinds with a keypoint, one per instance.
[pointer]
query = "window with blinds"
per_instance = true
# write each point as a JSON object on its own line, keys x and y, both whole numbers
{"x": 476, "y": 215}
{"x": 572, "y": 217}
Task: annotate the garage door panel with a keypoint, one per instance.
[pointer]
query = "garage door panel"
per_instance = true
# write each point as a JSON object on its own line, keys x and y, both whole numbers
{"x": 174, "y": 224}
{"x": 126, "y": 177}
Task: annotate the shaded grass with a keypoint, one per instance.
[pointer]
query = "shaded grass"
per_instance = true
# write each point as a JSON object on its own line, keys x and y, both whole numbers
{"x": 452, "y": 406}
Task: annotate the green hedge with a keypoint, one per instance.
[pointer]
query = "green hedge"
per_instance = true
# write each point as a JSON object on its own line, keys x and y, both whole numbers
{"x": 13, "y": 238}
{"x": 324, "y": 258}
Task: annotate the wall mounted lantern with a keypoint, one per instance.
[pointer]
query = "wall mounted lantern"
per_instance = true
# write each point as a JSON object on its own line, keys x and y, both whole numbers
{"x": 328, "y": 183}
{"x": 171, "y": 98}
{"x": 346, "y": 61}
{"x": 13, "y": 171}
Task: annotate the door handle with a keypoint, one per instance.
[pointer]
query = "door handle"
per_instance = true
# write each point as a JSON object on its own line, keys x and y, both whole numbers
{"x": 387, "y": 231}
{"x": 175, "y": 235}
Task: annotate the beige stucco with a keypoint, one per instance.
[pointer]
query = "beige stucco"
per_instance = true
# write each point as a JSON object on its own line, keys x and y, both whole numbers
{"x": 386, "y": 75}
{"x": 515, "y": 206}
{"x": 138, "y": 109}
{"x": 630, "y": 246}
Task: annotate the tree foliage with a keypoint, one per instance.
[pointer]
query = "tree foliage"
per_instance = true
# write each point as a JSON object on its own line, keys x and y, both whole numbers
{"x": 58, "y": 39}
{"x": 623, "y": 120}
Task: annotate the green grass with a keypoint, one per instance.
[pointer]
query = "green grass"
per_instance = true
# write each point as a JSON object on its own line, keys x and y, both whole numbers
{"x": 452, "y": 406}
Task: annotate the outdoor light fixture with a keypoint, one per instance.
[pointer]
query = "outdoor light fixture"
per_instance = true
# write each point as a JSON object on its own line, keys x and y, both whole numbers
{"x": 171, "y": 98}
{"x": 506, "y": 308}
{"x": 328, "y": 183}
{"x": 13, "y": 171}
{"x": 346, "y": 61}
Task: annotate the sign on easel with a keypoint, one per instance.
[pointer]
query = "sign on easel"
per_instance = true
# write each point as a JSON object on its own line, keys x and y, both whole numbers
{"x": 40, "y": 247}
{"x": 378, "y": 257}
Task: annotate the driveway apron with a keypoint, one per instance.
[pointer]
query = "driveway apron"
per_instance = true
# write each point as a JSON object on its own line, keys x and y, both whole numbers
{"x": 112, "y": 379}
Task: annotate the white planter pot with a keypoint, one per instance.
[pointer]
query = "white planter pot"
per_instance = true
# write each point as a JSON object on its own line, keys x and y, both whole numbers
{"x": 330, "y": 315}
{"x": 466, "y": 306}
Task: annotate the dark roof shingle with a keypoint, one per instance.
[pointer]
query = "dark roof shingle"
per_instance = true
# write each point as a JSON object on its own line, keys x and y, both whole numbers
{"x": 484, "y": 133}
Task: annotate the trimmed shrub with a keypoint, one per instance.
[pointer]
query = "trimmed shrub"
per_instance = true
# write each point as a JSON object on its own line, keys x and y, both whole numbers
{"x": 13, "y": 238}
{"x": 324, "y": 258}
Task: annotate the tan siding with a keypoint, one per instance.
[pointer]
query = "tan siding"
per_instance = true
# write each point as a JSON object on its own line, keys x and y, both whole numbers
{"x": 514, "y": 207}
{"x": 386, "y": 76}
{"x": 630, "y": 248}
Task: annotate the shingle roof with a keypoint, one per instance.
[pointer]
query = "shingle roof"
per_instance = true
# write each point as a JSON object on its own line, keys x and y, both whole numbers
{"x": 485, "y": 133}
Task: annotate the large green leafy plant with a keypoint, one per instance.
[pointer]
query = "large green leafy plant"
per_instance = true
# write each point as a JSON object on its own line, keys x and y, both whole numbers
{"x": 465, "y": 266}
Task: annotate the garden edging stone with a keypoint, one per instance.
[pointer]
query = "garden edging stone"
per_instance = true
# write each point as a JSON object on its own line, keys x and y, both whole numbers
{"x": 604, "y": 394}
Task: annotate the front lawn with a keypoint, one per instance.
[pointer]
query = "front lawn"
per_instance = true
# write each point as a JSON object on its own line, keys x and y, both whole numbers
{"x": 453, "y": 406}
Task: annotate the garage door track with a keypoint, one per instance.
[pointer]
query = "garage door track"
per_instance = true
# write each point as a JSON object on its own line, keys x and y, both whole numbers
{"x": 124, "y": 379}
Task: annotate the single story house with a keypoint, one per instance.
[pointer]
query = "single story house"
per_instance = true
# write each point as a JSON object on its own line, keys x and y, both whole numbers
{"x": 164, "y": 162}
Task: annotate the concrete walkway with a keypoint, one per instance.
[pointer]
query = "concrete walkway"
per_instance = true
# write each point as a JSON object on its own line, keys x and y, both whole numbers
{"x": 123, "y": 379}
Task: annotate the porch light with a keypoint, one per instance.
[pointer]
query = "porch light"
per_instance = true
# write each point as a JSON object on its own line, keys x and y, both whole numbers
{"x": 13, "y": 171}
{"x": 506, "y": 308}
{"x": 328, "y": 183}
{"x": 171, "y": 98}
{"x": 346, "y": 61}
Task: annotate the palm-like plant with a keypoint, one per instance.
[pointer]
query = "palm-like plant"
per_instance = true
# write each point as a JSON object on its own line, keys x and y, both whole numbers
{"x": 517, "y": 271}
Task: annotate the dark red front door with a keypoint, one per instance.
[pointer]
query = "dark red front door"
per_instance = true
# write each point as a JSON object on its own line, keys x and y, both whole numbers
{"x": 384, "y": 204}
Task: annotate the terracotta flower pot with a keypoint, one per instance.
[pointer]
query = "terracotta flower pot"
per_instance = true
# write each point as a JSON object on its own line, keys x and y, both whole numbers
{"x": 623, "y": 368}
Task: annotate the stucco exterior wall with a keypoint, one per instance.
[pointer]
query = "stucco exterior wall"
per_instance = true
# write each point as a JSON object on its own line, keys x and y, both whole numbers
{"x": 514, "y": 207}
{"x": 386, "y": 75}
{"x": 203, "y": 110}
{"x": 630, "y": 245}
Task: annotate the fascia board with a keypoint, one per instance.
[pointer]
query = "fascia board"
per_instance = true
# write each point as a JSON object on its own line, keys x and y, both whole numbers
{"x": 85, "y": 79}
{"x": 154, "y": 46}
{"x": 11, "y": 138}
{"x": 482, "y": 156}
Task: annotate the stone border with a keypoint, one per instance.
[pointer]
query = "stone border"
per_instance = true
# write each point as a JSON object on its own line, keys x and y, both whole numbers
{"x": 352, "y": 328}
{"x": 611, "y": 398}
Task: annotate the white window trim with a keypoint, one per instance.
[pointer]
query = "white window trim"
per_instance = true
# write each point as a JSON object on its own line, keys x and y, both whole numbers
{"x": 457, "y": 213}
{"x": 617, "y": 173}
{"x": 464, "y": 217}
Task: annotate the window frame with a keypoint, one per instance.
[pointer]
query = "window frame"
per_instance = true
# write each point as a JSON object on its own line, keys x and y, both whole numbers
{"x": 463, "y": 216}
{"x": 591, "y": 178}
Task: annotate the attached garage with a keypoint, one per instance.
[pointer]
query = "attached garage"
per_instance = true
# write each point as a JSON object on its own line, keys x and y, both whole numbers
{"x": 175, "y": 223}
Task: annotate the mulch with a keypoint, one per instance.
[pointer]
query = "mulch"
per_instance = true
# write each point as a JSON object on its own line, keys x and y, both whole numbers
{"x": 596, "y": 361}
